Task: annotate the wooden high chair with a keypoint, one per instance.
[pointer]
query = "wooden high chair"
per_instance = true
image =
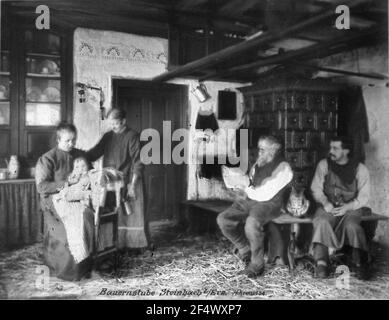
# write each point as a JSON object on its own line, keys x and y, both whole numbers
{"x": 103, "y": 215}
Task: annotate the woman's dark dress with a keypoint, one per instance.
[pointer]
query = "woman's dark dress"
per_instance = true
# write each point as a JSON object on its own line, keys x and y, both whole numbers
{"x": 52, "y": 171}
{"x": 122, "y": 152}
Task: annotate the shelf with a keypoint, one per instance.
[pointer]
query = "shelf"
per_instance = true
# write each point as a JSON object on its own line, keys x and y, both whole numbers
{"x": 5, "y": 73}
{"x": 44, "y": 102}
{"x": 13, "y": 181}
{"x": 46, "y": 55}
{"x": 44, "y": 76}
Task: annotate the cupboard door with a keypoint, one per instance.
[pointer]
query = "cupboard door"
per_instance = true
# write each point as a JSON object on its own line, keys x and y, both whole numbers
{"x": 308, "y": 159}
{"x": 300, "y": 101}
{"x": 38, "y": 143}
{"x": 324, "y": 121}
{"x": 5, "y": 143}
{"x": 280, "y": 101}
{"x": 292, "y": 121}
{"x": 294, "y": 159}
{"x": 296, "y": 140}
{"x": 42, "y": 99}
{"x": 330, "y": 102}
{"x": 263, "y": 103}
{"x": 315, "y": 101}
{"x": 314, "y": 140}
{"x": 274, "y": 120}
{"x": 302, "y": 179}
{"x": 308, "y": 121}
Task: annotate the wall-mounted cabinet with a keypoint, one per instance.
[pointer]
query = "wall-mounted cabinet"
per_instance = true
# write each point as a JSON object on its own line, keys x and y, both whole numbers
{"x": 35, "y": 90}
{"x": 301, "y": 113}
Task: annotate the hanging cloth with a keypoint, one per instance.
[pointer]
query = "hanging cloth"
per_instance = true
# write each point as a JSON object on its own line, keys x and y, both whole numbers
{"x": 206, "y": 121}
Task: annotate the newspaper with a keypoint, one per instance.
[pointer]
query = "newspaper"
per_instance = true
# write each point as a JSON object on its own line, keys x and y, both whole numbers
{"x": 234, "y": 178}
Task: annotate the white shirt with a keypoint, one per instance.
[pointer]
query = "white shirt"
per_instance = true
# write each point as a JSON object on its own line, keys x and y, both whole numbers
{"x": 270, "y": 186}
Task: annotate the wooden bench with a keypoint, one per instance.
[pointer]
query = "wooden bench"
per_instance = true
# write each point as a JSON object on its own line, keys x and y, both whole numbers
{"x": 216, "y": 206}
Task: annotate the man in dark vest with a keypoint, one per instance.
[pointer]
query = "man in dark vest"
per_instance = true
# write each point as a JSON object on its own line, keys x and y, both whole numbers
{"x": 259, "y": 203}
{"x": 341, "y": 188}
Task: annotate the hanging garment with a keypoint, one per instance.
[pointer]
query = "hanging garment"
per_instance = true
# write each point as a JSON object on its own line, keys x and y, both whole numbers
{"x": 206, "y": 121}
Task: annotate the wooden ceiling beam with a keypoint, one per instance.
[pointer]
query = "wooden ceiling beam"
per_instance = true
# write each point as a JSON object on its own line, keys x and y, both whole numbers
{"x": 188, "y": 19}
{"x": 234, "y": 7}
{"x": 338, "y": 71}
{"x": 141, "y": 27}
{"x": 184, "y": 5}
{"x": 233, "y": 51}
{"x": 295, "y": 54}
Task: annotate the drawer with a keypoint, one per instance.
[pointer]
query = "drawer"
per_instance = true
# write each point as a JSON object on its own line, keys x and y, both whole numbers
{"x": 324, "y": 121}
{"x": 296, "y": 140}
{"x": 315, "y": 101}
{"x": 292, "y": 121}
{"x": 263, "y": 103}
{"x": 308, "y": 159}
{"x": 280, "y": 101}
{"x": 302, "y": 179}
{"x": 314, "y": 139}
{"x": 262, "y": 120}
{"x": 300, "y": 101}
{"x": 308, "y": 120}
{"x": 265, "y": 120}
{"x": 268, "y": 102}
{"x": 274, "y": 120}
{"x": 330, "y": 102}
{"x": 294, "y": 159}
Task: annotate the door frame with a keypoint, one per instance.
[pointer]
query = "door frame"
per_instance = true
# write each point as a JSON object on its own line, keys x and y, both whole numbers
{"x": 184, "y": 118}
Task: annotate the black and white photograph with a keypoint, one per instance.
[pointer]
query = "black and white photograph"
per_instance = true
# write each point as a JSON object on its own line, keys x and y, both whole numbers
{"x": 194, "y": 150}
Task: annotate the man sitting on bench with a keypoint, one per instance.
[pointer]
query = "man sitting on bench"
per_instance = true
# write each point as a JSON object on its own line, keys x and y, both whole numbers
{"x": 341, "y": 189}
{"x": 260, "y": 202}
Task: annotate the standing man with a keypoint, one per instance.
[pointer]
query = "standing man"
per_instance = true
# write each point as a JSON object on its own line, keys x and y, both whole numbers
{"x": 341, "y": 188}
{"x": 120, "y": 149}
{"x": 52, "y": 172}
{"x": 243, "y": 223}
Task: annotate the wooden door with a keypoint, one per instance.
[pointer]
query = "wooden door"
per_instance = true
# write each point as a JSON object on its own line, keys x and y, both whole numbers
{"x": 148, "y": 107}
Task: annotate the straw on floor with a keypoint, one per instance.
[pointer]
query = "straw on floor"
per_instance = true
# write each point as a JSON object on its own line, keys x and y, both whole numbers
{"x": 183, "y": 267}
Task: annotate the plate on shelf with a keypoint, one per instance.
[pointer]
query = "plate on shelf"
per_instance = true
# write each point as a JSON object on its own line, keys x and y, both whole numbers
{"x": 3, "y": 92}
{"x": 48, "y": 67}
{"x": 33, "y": 93}
{"x": 52, "y": 94}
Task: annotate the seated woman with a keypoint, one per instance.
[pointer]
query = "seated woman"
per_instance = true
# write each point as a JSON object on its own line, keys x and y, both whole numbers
{"x": 52, "y": 172}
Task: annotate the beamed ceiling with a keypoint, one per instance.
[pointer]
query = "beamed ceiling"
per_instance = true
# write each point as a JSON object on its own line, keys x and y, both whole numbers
{"x": 267, "y": 33}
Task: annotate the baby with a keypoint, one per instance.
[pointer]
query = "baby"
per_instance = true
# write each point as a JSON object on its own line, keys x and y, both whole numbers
{"x": 78, "y": 183}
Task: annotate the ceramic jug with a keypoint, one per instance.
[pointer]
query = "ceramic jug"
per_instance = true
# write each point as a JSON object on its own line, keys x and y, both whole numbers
{"x": 13, "y": 167}
{"x": 201, "y": 92}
